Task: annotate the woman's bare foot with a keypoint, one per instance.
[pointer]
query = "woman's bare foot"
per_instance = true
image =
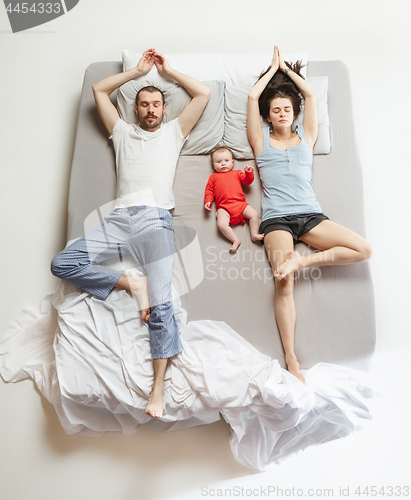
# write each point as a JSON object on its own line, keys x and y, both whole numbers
{"x": 138, "y": 287}
{"x": 257, "y": 237}
{"x": 235, "y": 245}
{"x": 293, "y": 366}
{"x": 155, "y": 404}
{"x": 291, "y": 263}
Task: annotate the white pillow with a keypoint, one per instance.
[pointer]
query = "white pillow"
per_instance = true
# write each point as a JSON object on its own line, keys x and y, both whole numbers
{"x": 208, "y": 131}
{"x": 234, "y": 69}
{"x": 235, "y": 127}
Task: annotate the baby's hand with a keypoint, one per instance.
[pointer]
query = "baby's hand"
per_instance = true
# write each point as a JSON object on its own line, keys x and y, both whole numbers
{"x": 207, "y": 206}
{"x": 248, "y": 168}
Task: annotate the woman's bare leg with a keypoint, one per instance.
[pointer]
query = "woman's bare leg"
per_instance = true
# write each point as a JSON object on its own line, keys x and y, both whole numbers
{"x": 155, "y": 406}
{"x": 277, "y": 244}
{"x": 338, "y": 246}
{"x": 252, "y": 215}
{"x": 223, "y": 223}
{"x": 138, "y": 287}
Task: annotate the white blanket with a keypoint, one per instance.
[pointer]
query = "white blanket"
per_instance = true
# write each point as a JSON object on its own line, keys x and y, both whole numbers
{"x": 91, "y": 359}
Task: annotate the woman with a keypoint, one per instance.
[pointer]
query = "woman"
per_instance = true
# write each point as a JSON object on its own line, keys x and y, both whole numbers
{"x": 291, "y": 212}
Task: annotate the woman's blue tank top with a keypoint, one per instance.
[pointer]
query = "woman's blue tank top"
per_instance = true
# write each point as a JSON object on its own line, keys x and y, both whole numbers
{"x": 286, "y": 178}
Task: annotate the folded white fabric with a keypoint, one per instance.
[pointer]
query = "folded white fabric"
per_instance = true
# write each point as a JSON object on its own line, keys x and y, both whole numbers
{"x": 102, "y": 373}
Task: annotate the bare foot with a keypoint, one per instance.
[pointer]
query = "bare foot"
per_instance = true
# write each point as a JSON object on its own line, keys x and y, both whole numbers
{"x": 138, "y": 287}
{"x": 257, "y": 237}
{"x": 293, "y": 366}
{"x": 145, "y": 314}
{"x": 291, "y": 263}
{"x": 235, "y": 245}
{"x": 155, "y": 404}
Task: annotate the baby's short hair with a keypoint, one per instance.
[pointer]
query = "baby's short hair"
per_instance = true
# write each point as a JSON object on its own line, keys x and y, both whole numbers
{"x": 221, "y": 148}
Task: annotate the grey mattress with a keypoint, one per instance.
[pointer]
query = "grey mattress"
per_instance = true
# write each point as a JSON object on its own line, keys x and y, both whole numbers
{"x": 335, "y": 312}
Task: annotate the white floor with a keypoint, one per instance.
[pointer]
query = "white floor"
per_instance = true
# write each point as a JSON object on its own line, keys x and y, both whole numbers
{"x": 42, "y": 72}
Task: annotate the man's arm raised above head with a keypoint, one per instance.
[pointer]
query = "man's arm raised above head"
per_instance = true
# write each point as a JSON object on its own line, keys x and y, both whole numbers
{"x": 108, "y": 113}
{"x": 199, "y": 92}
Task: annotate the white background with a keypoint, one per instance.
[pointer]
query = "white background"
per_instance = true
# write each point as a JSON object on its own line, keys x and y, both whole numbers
{"x": 41, "y": 78}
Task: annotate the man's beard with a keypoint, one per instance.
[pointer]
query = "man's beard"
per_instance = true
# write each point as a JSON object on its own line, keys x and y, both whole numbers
{"x": 146, "y": 125}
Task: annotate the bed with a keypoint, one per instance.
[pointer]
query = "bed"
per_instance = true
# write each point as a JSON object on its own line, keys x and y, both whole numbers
{"x": 99, "y": 380}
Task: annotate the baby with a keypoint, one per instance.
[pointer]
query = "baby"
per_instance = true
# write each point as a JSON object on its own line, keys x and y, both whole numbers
{"x": 225, "y": 187}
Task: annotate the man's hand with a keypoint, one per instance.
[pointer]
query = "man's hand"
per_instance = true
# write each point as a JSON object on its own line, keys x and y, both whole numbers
{"x": 199, "y": 92}
{"x": 146, "y": 62}
{"x": 104, "y": 88}
{"x": 161, "y": 62}
{"x": 207, "y": 206}
{"x": 248, "y": 168}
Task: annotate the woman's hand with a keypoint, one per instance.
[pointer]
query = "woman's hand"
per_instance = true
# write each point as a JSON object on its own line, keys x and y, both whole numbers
{"x": 276, "y": 59}
{"x": 254, "y": 129}
{"x": 281, "y": 62}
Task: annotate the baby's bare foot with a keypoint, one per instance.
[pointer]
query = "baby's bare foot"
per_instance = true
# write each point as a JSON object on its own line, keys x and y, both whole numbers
{"x": 155, "y": 404}
{"x": 257, "y": 237}
{"x": 235, "y": 245}
{"x": 138, "y": 287}
{"x": 293, "y": 366}
{"x": 292, "y": 263}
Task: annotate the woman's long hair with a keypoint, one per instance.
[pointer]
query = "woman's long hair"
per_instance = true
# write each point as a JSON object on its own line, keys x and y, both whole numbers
{"x": 281, "y": 85}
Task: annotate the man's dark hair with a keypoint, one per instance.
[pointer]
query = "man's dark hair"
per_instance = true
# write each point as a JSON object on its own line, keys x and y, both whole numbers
{"x": 151, "y": 89}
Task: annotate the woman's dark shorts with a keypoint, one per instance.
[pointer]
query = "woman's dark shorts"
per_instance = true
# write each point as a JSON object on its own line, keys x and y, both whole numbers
{"x": 297, "y": 225}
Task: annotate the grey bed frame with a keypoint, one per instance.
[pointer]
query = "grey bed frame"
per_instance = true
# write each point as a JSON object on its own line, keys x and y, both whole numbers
{"x": 335, "y": 305}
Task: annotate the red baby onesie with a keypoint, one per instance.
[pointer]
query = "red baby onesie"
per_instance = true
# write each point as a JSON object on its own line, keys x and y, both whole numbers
{"x": 226, "y": 188}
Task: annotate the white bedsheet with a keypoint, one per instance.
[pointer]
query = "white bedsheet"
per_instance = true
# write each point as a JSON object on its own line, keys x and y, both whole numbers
{"x": 91, "y": 360}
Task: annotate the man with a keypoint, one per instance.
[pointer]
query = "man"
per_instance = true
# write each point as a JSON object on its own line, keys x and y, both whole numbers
{"x": 141, "y": 223}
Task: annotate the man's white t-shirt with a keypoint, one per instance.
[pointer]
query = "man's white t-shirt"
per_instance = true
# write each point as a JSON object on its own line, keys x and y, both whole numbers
{"x": 146, "y": 163}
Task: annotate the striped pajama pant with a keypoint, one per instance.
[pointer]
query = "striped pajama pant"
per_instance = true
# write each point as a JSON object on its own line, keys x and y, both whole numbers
{"x": 146, "y": 234}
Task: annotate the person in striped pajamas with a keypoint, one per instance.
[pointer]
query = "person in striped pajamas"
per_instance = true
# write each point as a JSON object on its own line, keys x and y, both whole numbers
{"x": 141, "y": 224}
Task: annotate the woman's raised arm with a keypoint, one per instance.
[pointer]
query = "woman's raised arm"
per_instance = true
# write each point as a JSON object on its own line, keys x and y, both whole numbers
{"x": 310, "y": 120}
{"x": 254, "y": 127}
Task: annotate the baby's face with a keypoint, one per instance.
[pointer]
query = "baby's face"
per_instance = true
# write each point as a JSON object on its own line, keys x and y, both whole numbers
{"x": 223, "y": 161}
